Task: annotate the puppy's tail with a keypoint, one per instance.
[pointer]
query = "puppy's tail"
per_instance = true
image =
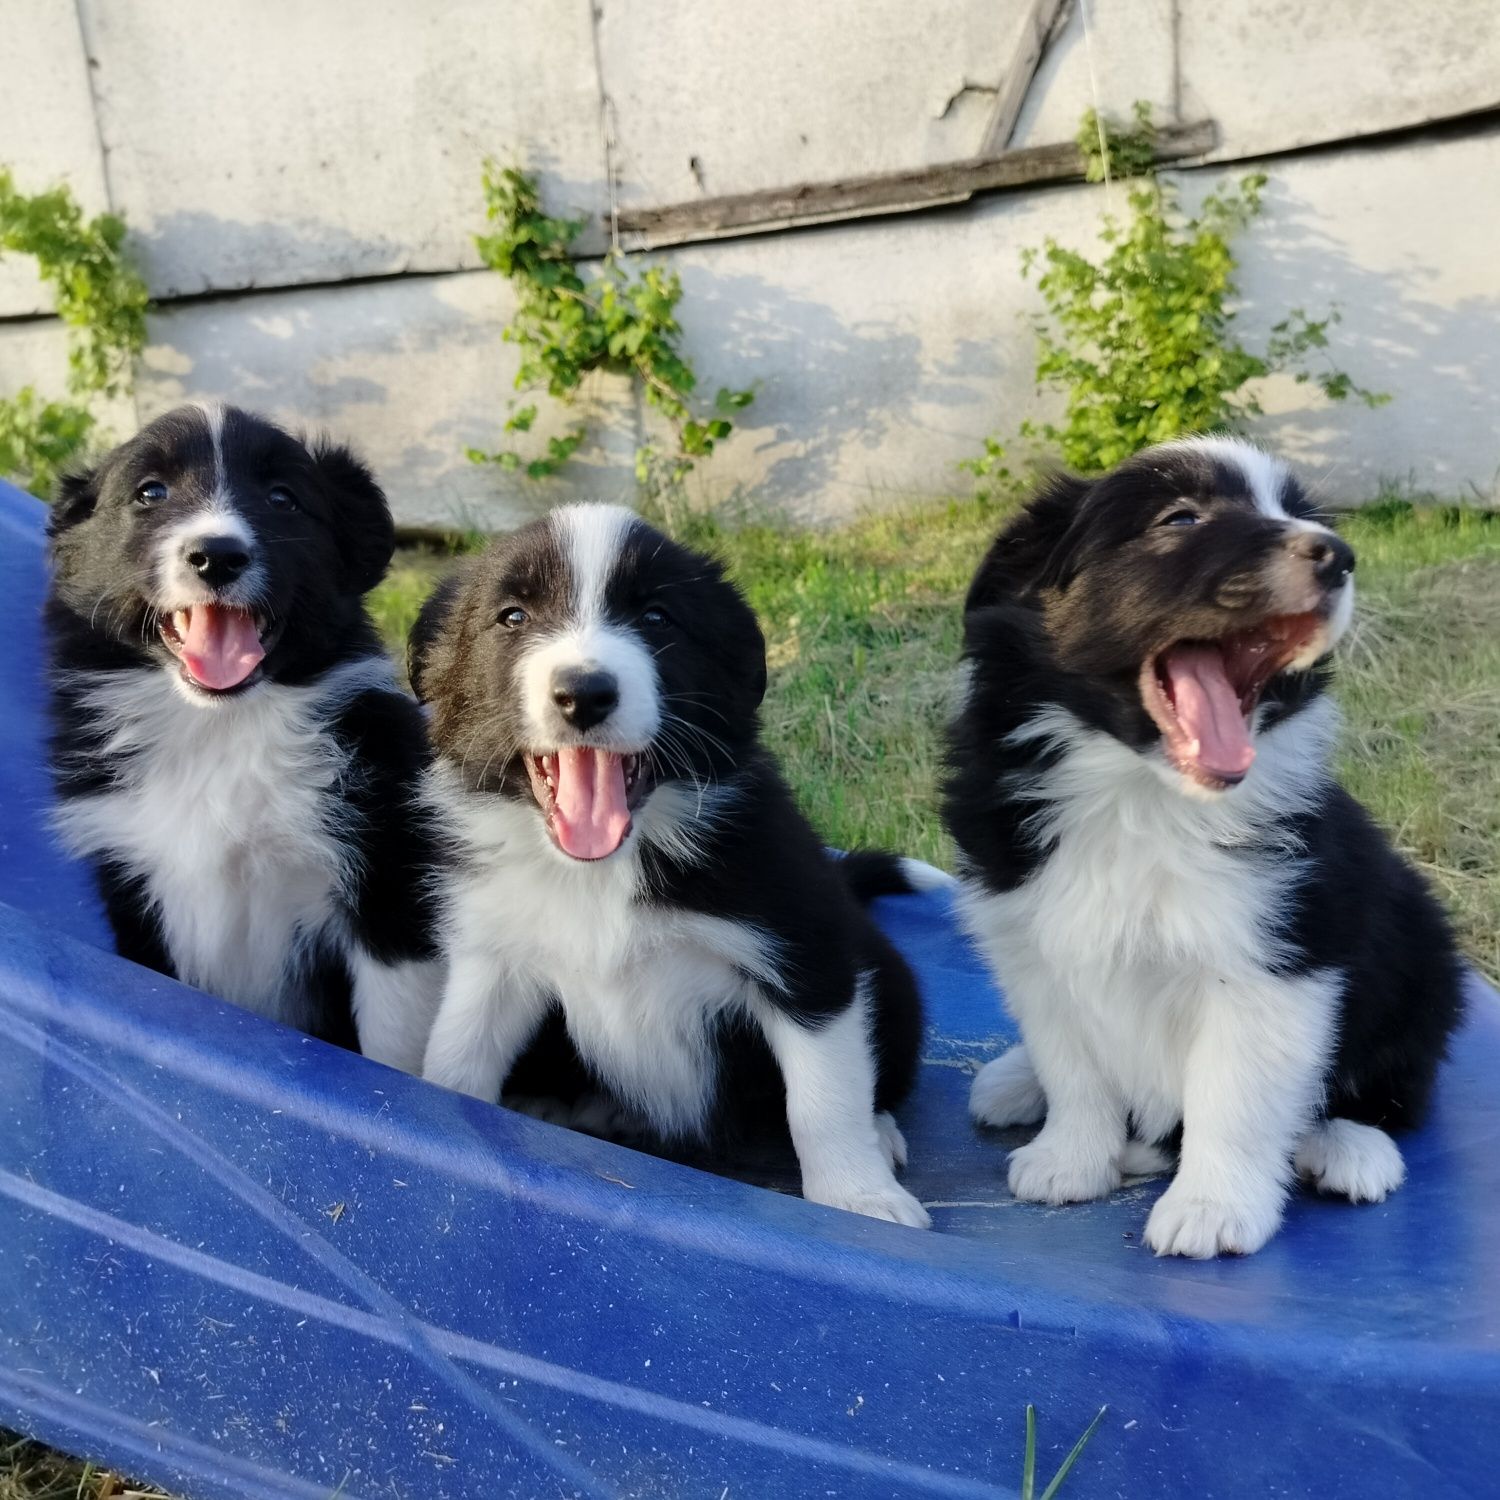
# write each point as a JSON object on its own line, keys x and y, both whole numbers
{"x": 872, "y": 872}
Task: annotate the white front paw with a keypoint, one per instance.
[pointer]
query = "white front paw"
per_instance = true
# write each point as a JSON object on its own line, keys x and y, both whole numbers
{"x": 1357, "y": 1162}
{"x": 890, "y": 1202}
{"x": 1046, "y": 1172}
{"x": 1200, "y": 1225}
{"x": 1006, "y": 1091}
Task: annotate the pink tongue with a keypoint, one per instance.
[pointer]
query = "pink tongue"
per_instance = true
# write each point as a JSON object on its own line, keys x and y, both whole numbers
{"x": 590, "y": 815}
{"x": 1208, "y": 709}
{"x": 221, "y": 647}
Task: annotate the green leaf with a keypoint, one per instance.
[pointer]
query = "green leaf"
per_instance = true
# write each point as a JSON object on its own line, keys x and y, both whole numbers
{"x": 621, "y": 319}
{"x": 1050, "y": 1492}
{"x": 1028, "y": 1462}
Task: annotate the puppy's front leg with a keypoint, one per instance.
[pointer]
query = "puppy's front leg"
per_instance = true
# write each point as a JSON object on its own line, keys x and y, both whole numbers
{"x": 482, "y": 1026}
{"x": 830, "y": 1107}
{"x": 394, "y": 1004}
{"x": 1076, "y": 1154}
{"x": 1254, "y": 1072}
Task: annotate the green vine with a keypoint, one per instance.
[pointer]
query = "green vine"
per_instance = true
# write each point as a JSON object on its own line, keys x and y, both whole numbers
{"x": 620, "y": 320}
{"x": 100, "y": 297}
{"x": 1141, "y": 342}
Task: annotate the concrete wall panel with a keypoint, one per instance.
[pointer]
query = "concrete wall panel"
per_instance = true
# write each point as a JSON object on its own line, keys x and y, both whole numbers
{"x": 47, "y": 130}
{"x": 412, "y": 371}
{"x": 719, "y": 97}
{"x": 275, "y": 142}
{"x": 1388, "y": 235}
{"x": 1283, "y": 73}
{"x": 888, "y": 351}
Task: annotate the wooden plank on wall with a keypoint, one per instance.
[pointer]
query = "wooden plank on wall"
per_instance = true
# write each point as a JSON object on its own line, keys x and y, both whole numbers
{"x": 882, "y": 193}
{"x": 1017, "y": 80}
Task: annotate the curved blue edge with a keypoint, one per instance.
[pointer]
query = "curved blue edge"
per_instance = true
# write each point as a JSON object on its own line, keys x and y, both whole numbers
{"x": 242, "y": 1264}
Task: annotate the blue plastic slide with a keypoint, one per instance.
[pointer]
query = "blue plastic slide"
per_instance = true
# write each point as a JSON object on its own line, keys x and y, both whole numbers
{"x": 241, "y": 1263}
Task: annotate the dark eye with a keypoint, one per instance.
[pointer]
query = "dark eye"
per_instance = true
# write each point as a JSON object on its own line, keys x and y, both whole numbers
{"x": 1180, "y": 518}
{"x": 153, "y": 492}
{"x": 281, "y": 497}
{"x": 655, "y": 616}
{"x": 512, "y": 617}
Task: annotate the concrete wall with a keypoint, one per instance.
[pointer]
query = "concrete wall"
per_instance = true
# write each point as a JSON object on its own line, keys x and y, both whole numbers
{"x": 302, "y": 180}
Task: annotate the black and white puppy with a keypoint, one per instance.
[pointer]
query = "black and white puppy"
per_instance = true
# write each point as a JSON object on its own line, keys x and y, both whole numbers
{"x": 628, "y": 858}
{"x": 230, "y": 748}
{"x": 1192, "y": 922}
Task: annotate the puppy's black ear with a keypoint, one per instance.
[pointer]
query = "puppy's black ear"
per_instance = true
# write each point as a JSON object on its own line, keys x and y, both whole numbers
{"x": 1038, "y": 549}
{"x": 744, "y": 653}
{"x": 73, "y": 501}
{"x": 424, "y": 651}
{"x": 755, "y": 682}
{"x": 361, "y": 518}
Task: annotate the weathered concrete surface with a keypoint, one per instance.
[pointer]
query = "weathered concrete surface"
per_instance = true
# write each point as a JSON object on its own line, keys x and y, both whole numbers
{"x": 47, "y": 130}
{"x": 885, "y": 358}
{"x": 1127, "y": 54}
{"x": 1390, "y": 236}
{"x": 1283, "y": 73}
{"x": 721, "y": 97}
{"x": 274, "y": 142}
{"x": 412, "y": 371}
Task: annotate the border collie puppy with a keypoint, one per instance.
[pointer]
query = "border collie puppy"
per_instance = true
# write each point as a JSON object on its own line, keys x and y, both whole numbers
{"x": 629, "y": 862}
{"x": 230, "y": 748}
{"x": 1193, "y": 924}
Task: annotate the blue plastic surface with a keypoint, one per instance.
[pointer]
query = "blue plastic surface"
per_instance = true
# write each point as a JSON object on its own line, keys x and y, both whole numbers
{"x": 245, "y": 1264}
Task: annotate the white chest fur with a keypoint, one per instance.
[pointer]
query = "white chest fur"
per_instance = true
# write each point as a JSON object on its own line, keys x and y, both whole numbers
{"x": 641, "y": 986}
{"x": 1150, "y": 904}
{"x": 229, "y": 814}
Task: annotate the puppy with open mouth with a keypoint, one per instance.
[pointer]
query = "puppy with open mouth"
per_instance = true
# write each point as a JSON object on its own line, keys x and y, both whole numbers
{"x": 1193, "y": 924}
{"x": 230, "y": 748}
{"x": 628, "y": 862}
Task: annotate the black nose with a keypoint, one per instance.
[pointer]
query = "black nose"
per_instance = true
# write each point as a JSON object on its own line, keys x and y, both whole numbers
{"x": 1332, "y": 558}
{"x": 217, "y": 560}
{"x": 585, "y": 697}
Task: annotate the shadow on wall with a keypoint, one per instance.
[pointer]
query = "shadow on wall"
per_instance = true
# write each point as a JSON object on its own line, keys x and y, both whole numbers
{"x": 875, "y": 392}
{"x": 411, "y": 369}
{"x": 882, "y": 352}
{"x": 1407, "y": 328}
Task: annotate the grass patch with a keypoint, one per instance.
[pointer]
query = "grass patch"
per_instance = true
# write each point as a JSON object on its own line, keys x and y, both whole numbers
{"x": 862, "y": 633}
{"x": 28, "y": 1471}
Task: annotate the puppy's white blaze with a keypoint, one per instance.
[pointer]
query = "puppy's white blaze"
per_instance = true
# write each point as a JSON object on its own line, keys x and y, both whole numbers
{"x": 1265, "y": 475}
{"x": 590, "y": 538}
{"x": 213, "y": 414}
{"x": 592, "y": 645}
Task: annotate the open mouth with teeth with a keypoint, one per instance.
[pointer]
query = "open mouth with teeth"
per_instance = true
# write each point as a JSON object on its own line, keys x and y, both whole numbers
{"x": 1202, "y": 694}
{"x": 587, "y": 797}
{"x": 220, "y": 646}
